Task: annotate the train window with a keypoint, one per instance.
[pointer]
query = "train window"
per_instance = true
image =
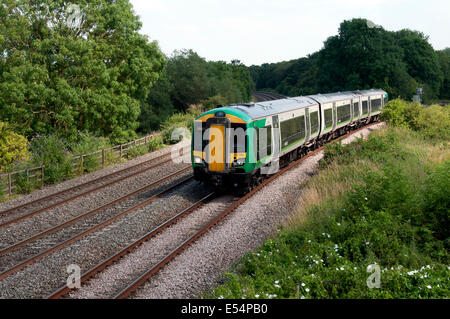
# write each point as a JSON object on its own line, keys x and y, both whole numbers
{"x": 343, "y": 113}
{"x": 284, "y": 131}
{"x": 264, "y": 146}
{"x": 269, "y": 140}
{"x": 200, "y": 140}
{"x": 365, "y": 109}
{"x": 301, "y": 133}
{"x": 376, "y": 105}
{"x": 239, "y": 138}
{"x": 355, "y": 110}
{"x": 328, "y": 118}
{"x": 293, "y": 130}
{"x": 314, "y": 122}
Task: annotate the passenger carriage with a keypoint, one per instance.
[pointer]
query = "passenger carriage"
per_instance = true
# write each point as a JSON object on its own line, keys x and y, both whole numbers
{"x": 237, "y": 145}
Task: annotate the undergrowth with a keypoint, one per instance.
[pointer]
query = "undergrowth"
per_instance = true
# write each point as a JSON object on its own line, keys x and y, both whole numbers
{"x": 382, "y": 202}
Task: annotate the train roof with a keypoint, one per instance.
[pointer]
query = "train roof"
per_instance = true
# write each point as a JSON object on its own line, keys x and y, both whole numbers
{"x": 253, "y": 111}
{"x": 267, "y": 108}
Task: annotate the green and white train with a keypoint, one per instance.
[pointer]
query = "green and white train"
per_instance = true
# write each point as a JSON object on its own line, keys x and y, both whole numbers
{"x": 237, "y": 145}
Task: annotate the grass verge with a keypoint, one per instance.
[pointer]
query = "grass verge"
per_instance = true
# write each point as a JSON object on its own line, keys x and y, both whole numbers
{"x": 383, "y": 202}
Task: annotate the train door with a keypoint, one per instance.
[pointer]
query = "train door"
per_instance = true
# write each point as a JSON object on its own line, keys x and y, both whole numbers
{"x": 275, "y": 151}
{"x": 352, "y": 115}
{"x": 334, "y": 115}
{"x": 216, "y": 148}
{"x": 308, "y": 124}
{"x": 276, "y": 134}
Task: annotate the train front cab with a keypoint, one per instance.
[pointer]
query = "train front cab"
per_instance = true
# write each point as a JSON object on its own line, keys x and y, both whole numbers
{"x": 219, "y": 149}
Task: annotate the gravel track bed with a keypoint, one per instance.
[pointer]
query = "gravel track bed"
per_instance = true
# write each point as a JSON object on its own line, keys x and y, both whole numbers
{"x": 200, "y": 267}
{"x": 51, "y": 189}
{"x": 31, "y": 249}
{"x": 57, "y": 199}
{"x": 48, "y": 274}
{"x": 38, "y": 223}
{"x": 117, "y": 276}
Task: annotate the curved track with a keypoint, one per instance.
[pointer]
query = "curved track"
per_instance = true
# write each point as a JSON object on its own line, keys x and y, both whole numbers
{"x": 133, "y": 285}
{"x": 262, "y": 96}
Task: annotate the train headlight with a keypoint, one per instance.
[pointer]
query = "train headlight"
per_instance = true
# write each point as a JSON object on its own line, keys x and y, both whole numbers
{"x": 239, "y": 162}
{"x": 198, "y": 160}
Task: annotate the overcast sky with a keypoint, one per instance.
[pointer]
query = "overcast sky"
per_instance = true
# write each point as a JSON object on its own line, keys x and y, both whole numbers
{"x": 267, "y": 31}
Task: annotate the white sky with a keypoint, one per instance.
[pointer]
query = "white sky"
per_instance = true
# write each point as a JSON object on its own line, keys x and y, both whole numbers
{"x": 257, "y": 32}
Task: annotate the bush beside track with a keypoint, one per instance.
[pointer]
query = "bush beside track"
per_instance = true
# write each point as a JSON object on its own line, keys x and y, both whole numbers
{"x": 381, "y": 201}
{"x": 56, "y": 154}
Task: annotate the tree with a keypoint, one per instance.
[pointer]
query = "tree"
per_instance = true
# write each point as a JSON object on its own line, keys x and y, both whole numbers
{"x": 189, "y": 76}
{"x": 362, "y": 55}
{"x": 60, "y": 76}
{"x": 444, "y": 61}
{"x": 158, "y": 106}
{"x": 421, "y": 60}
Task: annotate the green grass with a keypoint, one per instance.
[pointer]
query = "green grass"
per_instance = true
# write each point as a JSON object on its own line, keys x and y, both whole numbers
{"x": 381, "y": 201}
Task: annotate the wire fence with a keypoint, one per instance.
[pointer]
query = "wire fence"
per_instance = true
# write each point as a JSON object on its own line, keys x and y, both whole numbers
{"x": 9, "y": 182}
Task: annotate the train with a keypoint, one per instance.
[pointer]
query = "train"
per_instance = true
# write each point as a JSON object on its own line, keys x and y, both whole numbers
{"x": 237, "y": 146}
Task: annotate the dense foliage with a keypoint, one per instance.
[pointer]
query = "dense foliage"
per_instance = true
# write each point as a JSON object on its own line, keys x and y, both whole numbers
{"x": 432, "y": 121}
{"x": 384, "y": 202}
{"x": 188, "y": 80}
{"x": 13, "y": 147}
{"x": 363, "y": 56}
{"x": 57, "y": 76}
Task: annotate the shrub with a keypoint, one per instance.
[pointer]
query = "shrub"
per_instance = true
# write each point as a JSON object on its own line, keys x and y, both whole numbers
{"x": 52, "y": 152}
{"x": 179, "y": 120}
{"x": 437, "y": 202}
{"x": 213, "y": 101}
{"x": 434, "y": 122}
{"x": 88, "y": 143}
{"x": 136, "y": 151}
{"x": 392, "y": 212}
{"x": 155, "y": 143}
{"x": 13, "y": 147}
{"x": 401, "y": 113}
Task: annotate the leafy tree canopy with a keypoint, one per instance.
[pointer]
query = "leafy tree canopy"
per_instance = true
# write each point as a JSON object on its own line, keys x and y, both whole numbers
{"x": 188, "y": 80}
{"x": 65, "y": 68}
{"x": 363, "y": 55}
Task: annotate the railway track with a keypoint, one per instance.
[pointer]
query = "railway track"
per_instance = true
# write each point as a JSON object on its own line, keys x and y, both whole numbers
{"x": 262, "y": 96}
{"x": 41, "y": 205}
{"x": 24, "y": 258}
{"x": 134, "y": 284}
{"x": 64, "y": 290}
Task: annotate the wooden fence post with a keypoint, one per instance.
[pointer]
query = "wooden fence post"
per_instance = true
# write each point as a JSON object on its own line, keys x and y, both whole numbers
{"x": 42, "y": 176}
{"x": 121, "y": 151}
{"x": 9, "y": 184}
{"x": 103, "y": 158}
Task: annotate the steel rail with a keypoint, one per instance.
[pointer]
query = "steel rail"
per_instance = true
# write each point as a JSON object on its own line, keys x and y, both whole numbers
{"x": 102, "y": 265}
{"x": 127, "y": 291}
{"x": 47, "y": 252}
{"x": 70, "y": 199}
{"x": 146, "y": 275}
